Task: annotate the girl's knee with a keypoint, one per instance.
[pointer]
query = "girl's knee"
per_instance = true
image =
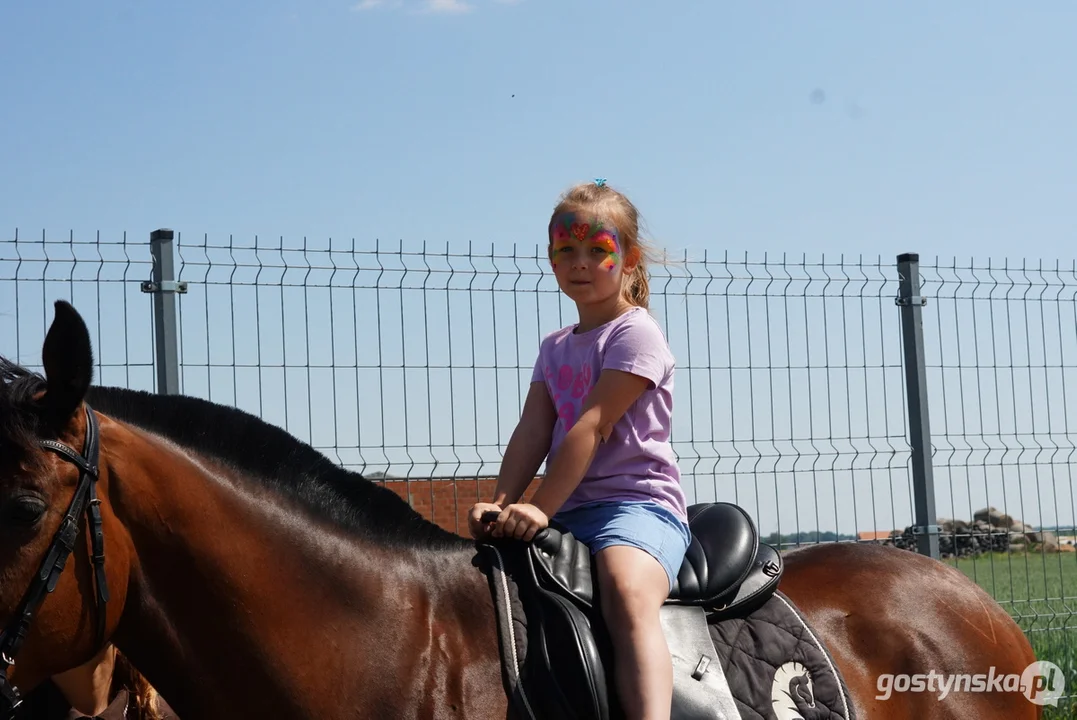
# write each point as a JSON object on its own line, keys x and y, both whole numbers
{"x": 630, "y": 610}
{"x": 631, "y": 597}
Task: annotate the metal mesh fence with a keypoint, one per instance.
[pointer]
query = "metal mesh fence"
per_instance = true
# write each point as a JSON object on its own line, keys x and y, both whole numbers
{"x": 407, "y": 362}
{"x": 100, "y": 275}
{"x": 412, "y": 362}
{"x": 1003, "y": 370}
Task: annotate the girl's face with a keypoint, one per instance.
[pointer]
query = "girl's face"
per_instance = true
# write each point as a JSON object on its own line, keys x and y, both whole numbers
{"x": 586, "y": 256}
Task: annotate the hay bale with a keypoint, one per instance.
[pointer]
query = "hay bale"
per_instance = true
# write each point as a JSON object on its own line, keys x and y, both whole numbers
{"x": 1019, "y": 528}
{"x": 1045, "y": 541}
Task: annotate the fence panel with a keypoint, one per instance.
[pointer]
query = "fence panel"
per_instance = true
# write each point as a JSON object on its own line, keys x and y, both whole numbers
{"x": 101, "y": 276}
{"x": 412, "y": 362}
{"x": 1002, "y": 362}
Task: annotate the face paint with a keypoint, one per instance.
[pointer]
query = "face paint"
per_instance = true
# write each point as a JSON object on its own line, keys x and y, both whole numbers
{"x": 560, "y": 239}
{"x": 581, "y": 231}
{"x": 607, "y": 240}
{"x": 567, "y": 232}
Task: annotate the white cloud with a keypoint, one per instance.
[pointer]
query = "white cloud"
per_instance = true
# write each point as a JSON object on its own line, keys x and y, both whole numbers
{"x": 426, "y": 7}
{"x": 375, "y": 4}
{"x": 447, "y": 7}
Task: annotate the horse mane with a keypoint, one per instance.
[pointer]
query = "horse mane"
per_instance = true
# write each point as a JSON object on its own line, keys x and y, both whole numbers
{"x": 280, "y": 461}
{"x": 261, "y": 451}
{"x": 20, "y": 423}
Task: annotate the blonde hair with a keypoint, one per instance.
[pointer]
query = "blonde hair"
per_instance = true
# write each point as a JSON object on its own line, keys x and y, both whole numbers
{"x": 602, "y": 200}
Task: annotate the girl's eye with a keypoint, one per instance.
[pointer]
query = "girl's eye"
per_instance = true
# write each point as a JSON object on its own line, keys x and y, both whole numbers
{"x": 599, "y": 250}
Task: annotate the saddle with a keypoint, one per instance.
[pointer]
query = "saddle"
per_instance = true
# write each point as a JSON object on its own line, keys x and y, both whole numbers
{"x": 559, "y": 662}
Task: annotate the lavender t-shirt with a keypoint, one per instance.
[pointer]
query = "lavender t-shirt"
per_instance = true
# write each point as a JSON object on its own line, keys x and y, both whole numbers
{"x": 637, "y": 461}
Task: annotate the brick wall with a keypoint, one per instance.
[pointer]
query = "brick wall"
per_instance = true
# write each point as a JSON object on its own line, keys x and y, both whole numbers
{"x": 447, "y": 501}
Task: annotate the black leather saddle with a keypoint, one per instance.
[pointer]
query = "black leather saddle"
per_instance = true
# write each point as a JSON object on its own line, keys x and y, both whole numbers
{"x": 726, "y": 573}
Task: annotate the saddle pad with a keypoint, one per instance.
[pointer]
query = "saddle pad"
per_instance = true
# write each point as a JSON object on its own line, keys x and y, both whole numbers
{"x": 777, "y": 668}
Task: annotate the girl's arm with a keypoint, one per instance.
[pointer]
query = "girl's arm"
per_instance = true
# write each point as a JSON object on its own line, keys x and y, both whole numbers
{"x": 610, "y": 398}
{"x": 528, "y": 446}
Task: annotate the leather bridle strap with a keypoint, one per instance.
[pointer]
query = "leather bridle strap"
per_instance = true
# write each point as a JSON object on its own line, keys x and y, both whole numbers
{"x": 63, "y": 544}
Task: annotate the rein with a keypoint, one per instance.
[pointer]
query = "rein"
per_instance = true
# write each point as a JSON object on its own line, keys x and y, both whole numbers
{"x": 63, "y": 543}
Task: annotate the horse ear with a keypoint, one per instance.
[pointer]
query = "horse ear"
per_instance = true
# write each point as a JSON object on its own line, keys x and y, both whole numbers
{"x": 68, "y": 359}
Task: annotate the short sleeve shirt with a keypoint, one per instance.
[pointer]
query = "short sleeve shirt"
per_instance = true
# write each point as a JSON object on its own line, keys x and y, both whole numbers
{"x": 637, "y": 461}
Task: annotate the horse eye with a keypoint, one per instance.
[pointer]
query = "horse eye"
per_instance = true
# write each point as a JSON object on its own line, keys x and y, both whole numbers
{"x": 25, "y": 511}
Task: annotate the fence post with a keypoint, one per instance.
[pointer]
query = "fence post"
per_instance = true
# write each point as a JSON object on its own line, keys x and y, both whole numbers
{"x": 926, "y": 529}
{"x": 164, "y": 287}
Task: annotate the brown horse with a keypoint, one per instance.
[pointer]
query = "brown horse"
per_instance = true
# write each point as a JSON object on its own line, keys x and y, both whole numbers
{"x": 248, "y": 576}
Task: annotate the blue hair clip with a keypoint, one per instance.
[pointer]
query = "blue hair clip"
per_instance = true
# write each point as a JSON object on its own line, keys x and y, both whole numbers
{"x": 601, "y": 182}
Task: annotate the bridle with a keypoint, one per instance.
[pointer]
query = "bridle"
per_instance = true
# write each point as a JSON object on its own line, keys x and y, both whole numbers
{"x": 63, "y": 543}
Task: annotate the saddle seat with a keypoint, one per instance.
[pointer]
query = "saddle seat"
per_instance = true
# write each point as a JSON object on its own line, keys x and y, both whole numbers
{"x": 721, "y": 556}
{"x": 726, "y": 572}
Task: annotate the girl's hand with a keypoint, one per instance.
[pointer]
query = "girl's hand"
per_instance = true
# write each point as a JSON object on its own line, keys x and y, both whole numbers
{"x": 520, "y": 521}
{"x": 479, "y": 529}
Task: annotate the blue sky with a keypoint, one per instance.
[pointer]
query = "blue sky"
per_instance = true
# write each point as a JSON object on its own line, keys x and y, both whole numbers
{"x": 826, "y": 129}
{"x": 944, "y": 128}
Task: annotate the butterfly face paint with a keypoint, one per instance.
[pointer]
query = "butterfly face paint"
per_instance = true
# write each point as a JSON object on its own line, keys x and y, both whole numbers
{"x": 569, "y": 232}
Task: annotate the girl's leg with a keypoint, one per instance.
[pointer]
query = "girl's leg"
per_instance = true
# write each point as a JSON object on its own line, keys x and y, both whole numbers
{"x": 633, "y": 585}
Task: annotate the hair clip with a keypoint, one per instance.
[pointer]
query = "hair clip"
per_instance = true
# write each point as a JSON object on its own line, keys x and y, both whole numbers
{"x": 601, "y": 182}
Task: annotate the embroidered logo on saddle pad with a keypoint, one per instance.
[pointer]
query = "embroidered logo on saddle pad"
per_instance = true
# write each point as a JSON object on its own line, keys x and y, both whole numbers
{"x": 790, "y": 691}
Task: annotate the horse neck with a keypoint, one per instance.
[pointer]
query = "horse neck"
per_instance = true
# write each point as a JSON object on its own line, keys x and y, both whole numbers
{"x": 235, "y": 593}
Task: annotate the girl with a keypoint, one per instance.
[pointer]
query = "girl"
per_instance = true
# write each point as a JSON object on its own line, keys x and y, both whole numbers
{"x": 599, "y": 406}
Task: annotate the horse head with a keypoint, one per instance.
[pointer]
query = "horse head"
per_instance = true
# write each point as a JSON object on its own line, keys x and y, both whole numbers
{"x": 54, "y": 512}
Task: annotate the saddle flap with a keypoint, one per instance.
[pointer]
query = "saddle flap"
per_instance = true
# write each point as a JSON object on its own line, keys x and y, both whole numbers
{"x": 722, "y": 552}
{"x": 553, "y": 662}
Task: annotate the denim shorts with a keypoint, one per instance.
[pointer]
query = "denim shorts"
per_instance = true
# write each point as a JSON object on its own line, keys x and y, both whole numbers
{"x": 644, "y": 525}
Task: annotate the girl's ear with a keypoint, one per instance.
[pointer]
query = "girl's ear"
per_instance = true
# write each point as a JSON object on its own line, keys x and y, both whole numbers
{"x": 631, "y": 261}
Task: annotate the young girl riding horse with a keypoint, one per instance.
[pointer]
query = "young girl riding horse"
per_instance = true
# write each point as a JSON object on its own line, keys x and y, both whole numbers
{"x": 599, "y": 406}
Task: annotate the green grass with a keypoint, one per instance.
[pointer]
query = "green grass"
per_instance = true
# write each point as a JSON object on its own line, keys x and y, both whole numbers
{"x": 1040, "y": 593}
